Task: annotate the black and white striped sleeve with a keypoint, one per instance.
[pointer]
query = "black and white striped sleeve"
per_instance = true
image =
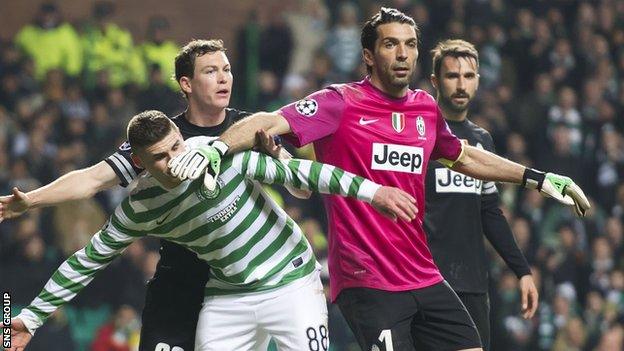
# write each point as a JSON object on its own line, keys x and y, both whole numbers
{"x": 122, "y": 164}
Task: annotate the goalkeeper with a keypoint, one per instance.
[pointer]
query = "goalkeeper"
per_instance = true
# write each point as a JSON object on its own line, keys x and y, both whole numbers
{"x": 262, "y": 265}
{"x": 389, "y": 289}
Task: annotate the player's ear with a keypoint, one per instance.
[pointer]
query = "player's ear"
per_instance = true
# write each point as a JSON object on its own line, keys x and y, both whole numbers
{"x": 185, "y": 85}
{"x": 434, "y": 81}
{"x": 368, "y": 57}
{"x": 136, "y": 160}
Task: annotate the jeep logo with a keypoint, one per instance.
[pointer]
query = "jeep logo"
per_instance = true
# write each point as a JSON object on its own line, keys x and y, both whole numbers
{"x": 398, "y": 158}
{"x": 448, "y": 181}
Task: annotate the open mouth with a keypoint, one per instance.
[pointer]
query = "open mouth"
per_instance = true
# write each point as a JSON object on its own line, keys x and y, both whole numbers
{"x": 223, "y": 92}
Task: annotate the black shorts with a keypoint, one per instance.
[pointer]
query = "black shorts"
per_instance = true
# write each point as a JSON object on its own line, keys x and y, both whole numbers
{"x": 172, "y": 307}
{"x": 432, "y": 318}
{"x": 478, "y": 306}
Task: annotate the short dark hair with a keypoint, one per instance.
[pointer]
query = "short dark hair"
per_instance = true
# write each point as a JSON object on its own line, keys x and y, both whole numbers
{"x": 385, "y": 15}
{"x": 185, "y": 60}
{"x": 147, "y": 128}
{"x": 454, "y": 48}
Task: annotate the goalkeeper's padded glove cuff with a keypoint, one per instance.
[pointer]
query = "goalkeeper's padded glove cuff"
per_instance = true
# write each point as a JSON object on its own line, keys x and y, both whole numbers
{"x": 220, "y": 146}
{"x": 533, "y": 179}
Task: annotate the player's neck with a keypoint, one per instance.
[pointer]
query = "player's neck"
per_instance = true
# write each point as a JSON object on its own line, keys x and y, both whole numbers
{"x": 454, "y": 116}
{"x": 451, "y": 115}
{"x": 395, "y": 92}
{"x": 204, "y": 116}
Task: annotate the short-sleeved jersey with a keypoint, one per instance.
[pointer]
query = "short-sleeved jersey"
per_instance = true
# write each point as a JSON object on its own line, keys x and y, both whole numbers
{"x": 173, "y": 256}
{"x": 390, "y": 141}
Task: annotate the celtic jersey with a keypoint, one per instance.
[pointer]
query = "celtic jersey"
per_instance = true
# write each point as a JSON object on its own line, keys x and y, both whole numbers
{"x": 250, "y": 243}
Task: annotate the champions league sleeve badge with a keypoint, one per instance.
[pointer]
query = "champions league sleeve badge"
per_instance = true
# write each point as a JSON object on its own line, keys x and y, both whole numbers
{"x": 307, "y": 107}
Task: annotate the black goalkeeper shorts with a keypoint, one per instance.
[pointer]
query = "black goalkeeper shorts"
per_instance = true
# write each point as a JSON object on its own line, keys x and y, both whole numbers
{"x": 432, "y": 318}
{"x": 171, "y": 311}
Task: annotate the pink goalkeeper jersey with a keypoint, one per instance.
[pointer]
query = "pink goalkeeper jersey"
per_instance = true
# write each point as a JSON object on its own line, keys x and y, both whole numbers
{"x": 390, "y": 141}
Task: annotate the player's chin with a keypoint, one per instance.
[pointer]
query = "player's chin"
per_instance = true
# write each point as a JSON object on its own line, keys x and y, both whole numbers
{"x": 460, "y": 107}
{"x": 401, "y": 81}
{"x": 221, "y": 100}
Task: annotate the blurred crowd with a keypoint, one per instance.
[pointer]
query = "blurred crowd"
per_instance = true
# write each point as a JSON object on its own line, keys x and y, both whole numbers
{"x": 551, "y": 94}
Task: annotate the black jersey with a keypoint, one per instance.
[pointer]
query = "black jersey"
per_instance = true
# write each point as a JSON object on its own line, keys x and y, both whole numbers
{"x": 174, "y": 257}
{"x": 459, "y": 211}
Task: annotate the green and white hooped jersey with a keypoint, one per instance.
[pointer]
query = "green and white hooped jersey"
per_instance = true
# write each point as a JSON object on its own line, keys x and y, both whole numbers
{"x": 249, "y": 241}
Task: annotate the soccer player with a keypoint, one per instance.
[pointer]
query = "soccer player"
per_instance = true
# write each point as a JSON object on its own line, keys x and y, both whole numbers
{"x": 457, "y": 246}
{"x": 262, "y": 266}
{"x": 202, "y": 70}
{"x": 382, "y": 274}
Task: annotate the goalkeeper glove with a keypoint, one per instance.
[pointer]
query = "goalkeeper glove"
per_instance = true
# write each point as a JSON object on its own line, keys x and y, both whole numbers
{"x": 191, "y": 163}
{"x": 560, "y": 188}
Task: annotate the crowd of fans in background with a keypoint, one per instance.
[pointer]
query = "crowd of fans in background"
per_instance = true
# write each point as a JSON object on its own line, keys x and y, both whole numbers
{"x": 551, "y": 94}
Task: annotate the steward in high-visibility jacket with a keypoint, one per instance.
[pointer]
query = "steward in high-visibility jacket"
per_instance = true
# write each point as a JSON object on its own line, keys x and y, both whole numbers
{"x": 51, "y": 43}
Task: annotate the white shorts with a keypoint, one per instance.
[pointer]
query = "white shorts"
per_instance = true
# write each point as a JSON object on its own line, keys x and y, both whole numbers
{"x": 294, "y": 315}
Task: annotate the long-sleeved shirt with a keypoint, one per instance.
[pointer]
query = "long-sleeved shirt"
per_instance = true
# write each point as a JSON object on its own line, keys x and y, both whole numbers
{"x": 250, "y": 243}
{"x": 460, "y": 210}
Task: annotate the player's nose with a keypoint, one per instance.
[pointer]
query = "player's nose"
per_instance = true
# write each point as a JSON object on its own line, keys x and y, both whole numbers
{"x": 401, "y": 53}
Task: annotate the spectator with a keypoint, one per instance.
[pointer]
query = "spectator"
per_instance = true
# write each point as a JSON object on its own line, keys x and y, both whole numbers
{"x": 121, "y": 334}
{"x": 161, "y": 51}
{"x": 343, "y": 43}
{"x": 51, "y": 43}
{"x": 110, "y": 48}
{"x": 308, "y": 25}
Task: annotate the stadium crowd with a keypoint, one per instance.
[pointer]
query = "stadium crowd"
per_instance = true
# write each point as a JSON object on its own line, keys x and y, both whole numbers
{"x": 551, "y": 94}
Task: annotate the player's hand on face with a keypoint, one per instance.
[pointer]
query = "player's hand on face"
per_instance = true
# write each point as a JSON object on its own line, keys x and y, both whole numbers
{"x": 395, "y": 203}
{"x": 20, "y": 336}
{"x": 192, "y": 162}
{"x": 529, "y": 296}
{"x": 14, "y": 205}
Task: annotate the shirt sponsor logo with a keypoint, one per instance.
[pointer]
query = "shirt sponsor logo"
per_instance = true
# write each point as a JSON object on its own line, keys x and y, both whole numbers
{"x": 398, "y": 121}
{"x": 307, "y": 107}
{"x": 448, "y": 181}
{"x": 225, "y": 214}
{"x": 398, "y": 158}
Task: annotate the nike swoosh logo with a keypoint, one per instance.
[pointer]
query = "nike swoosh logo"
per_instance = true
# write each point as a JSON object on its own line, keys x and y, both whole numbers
{"x": 364, "y": 122}
{"x": 159, "y": 222}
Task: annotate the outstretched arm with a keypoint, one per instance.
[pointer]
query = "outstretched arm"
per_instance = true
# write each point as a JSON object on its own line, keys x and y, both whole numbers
{"x": 242, "y": 135}
{"x": 75, "y": 274}
{"x": 79, "y": 184}
{"x": 482, "y": 164}
{"x": 485, "y": 165}
{"x": 267, "y": 145}
{"x": 325, "y": 179}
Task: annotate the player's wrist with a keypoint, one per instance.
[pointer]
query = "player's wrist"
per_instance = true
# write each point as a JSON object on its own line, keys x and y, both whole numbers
{"x": 30, "y": 320}
{"x": 33, "y": 200}
{"x": 533, "y": 179}
{"x": 221, "y": 147}
{"x": 367, "y": 191}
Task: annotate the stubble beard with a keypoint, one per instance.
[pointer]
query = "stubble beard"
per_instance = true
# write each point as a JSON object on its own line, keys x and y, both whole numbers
{"x": 447, "y": 102}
